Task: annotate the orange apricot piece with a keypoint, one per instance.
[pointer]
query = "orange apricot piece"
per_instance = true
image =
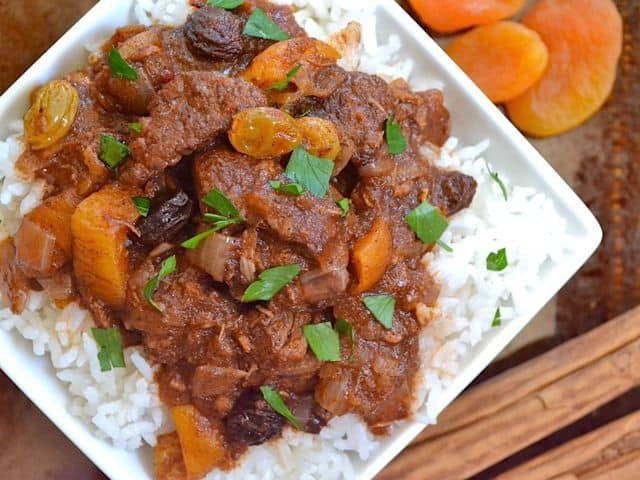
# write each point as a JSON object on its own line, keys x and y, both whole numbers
{"x": 584, "y": 38}
{"x": 504, "y": 58}
{"x": 447, "y": 16}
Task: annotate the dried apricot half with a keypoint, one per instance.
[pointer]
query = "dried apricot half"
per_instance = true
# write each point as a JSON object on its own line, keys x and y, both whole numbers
{"x": 584, "y": 38}
{"x": 446, "y": 16}
{"x": 504, "y": 58}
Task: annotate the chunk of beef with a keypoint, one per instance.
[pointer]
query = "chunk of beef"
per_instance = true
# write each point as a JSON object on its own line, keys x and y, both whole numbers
{"x": 215, "y": 32}
{"x": 253, "y": 421}
{"x": 188, "y": 113}
{"x": 188, "y": 298}
{"x": 311, "y": 223}
{"x": 422, "y": 115}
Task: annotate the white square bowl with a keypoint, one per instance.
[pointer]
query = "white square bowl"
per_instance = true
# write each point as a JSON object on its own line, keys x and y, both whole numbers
{"x": 474, "y": 118}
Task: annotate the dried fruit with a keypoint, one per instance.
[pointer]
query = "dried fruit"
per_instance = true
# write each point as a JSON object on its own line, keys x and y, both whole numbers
{"x": 446, "y": 16}
{"x": 584, "y": 38}
{"x": 51, "y": 115}
{"x": 264, "y": 132}
{"x": 504, "y": 58}
{"x": 319, "y": 137}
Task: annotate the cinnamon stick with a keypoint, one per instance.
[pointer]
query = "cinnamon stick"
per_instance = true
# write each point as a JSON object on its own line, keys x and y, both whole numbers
{"x": 528, "y": 403}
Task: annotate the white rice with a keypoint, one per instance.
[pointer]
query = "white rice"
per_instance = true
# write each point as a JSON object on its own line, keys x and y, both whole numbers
{"x": 123, "y": 407}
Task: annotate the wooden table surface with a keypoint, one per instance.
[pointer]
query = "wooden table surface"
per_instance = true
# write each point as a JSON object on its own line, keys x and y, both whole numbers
{"x": 601, "y": 160}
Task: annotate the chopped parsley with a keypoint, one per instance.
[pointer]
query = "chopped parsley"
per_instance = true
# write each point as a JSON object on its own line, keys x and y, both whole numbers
{"x": 382, "y": 308}
{"x": 120, "y": 68}
{"x": 110, "y": 343}
{"x": 497, "y": 261}
{"x": 270, "y": 282}
{"x": 112, "y": 152}
{"x": 496, "y": 178}
{"x": 427, "y": 222}
{"x": 261, "y": 26}
{"x": 345, "y": 206}
{"x": 275, "y": 401}
{"x": 143, "y": 205}
{"x": 312, "y": 172}
{"x": 226, "y": 4}
{"x": 396, "y": 142}
{"x": 220, "y": 203}
{"x": 323, "y": 340}
{"x": 497, "y": 319}
{"x": 167, "y": 268}
{"x": 287, "y": 188}
{"x": 283, "y": 84}
{"x": 194, "y": 242}
{"x": 444, "y": 246}
{"x": 135, "y": 127}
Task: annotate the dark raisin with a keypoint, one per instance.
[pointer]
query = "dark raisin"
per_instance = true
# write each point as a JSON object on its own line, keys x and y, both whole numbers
{"x": 252, "y": 421}
{"x": 215, "y": 32}
{"x": 165, "y": 222}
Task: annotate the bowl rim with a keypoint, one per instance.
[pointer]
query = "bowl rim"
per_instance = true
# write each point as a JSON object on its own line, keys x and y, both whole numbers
{"x": 78, "y": 432}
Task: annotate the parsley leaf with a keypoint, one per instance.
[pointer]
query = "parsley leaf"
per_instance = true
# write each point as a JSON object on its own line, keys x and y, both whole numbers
{"x": 323, "y": 340}
{"x": 135, "y": 126}
{"x": 427, "y": 222}
{"x": 112, "y": 152}
{"x": 270, "y": 282}
{"x": 497, "y": 261}
{"x": 345, "y": 206}
{"x": 312, "y": 172}
{"x": 287, "y": 188}
{"x": 395, "y": 139}
{"x": 382, "y": 308}
{"x": 261, "y": 26}
{"x": 220, "y": 203}
{"x": 195, "y": 241}
{"x": 497, "y": 319}
{"x": 275, "y": 401}
{"x": 496, "y": 178}
{"x": 444, "y": 246}
{"x": 167, "y": 268}
{"x": 120, "y": 68}
{"x": 282, "y": 84}
{"x": 143, "y": 205}
{"x": 226, "y": 4}
{"x": 110, "y": 343}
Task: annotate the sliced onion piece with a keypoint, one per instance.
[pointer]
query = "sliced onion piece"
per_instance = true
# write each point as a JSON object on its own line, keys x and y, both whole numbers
{"x": 213, "y": 253}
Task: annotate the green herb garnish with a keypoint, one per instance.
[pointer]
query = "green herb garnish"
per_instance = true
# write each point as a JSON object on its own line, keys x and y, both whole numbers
{"x": 270, "y": 282}
{"x": 261, "y": 26}
{"x": 195, "y": 241}
{"x": 167, "y": 268}
{"x": 226, "y": 4}
{"x": 497, "y": 319}
{"x": 287, "y": 188}
{"x": 275, "y": 401}
{"x": 496, "y": 178}
{"x": 135, "y": 126}
{"x": 312, "y": 172}
{"x": 497, "y": 261}
{"x": 112, "y": 152}
{"x": 281, "y": 85}
{"x": 444, "y": 246}
{"x": 395, "y": 139}
{"x": 219, "y": 202}
{"x": 381, "y": 307}
{"x": 427, "y": 222}
{"x": 323, "y": 340}
{"x": 345, "y": 206}
{"x": 110, "y": 343}
{"x": 143, "y": 205}
{"x": 120, "y": 68}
